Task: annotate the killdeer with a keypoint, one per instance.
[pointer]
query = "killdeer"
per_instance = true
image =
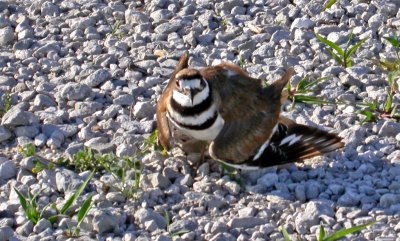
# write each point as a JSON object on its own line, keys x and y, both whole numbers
{"x": 239, "y": 117}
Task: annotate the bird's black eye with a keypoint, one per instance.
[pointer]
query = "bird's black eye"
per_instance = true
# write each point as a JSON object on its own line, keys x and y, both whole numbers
{"x": 177, "y": 83}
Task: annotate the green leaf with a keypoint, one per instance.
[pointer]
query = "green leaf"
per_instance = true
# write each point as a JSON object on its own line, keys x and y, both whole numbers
{"x": 22, "y": 200}
{"x": 83, "y": 211}
{"x": 315, "y": 82}
{"x": 349, "y": 53}
{"x": 388, "y": 104}
{"x": 321, "y": 233}
{"x": 369, "y": 116}
{"x": 285, "y": 234}
{"x": 335, "y": 57}
{"x": 393, "y": 41}
{"x": 330, "y": 44}
{"x": 73, "y": 198}
{"x": 344, "y": 232}
{"x": 329, "y": 4}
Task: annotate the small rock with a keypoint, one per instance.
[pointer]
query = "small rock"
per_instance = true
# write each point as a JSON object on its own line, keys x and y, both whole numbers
{"x": 15, "y": 117}
{"x": 349, "y": 199}
{"x": 143, "y": 215}
{"x": 6, "y": 233}
{"x": 98, "y": 77}
{"x": 268, "y": 180}
{"x": 42, "y": 225}
{"x": 183, "y": 225}
{"x": 75, "y": 91}
{"x": 158, "y": 180}
{"x": 302, "y": 23}
{"x": 311, "y": 214}
{"x": 8, "y": 169}
{"x": 389, "y": 199}
{"x": 389, "y": 128}
{"x": 5, "y": 134}
{"x": 143, "y": 110}
{"x": 28, "y": 131}
{"x": 26, "y": 229}
{"x": 246, "y": 222}
{"x": 104, "y": 223}
{"x": 6, "y": 36}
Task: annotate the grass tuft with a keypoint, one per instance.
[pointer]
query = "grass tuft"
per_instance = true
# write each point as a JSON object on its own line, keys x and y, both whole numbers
{"x": 341, "y": 56}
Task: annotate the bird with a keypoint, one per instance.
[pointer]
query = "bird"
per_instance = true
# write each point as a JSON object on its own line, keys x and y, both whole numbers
{"x": 237, "y": 116}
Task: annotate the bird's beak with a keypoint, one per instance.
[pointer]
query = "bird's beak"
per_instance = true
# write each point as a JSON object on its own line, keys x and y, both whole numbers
{"x": 189, "y": 92}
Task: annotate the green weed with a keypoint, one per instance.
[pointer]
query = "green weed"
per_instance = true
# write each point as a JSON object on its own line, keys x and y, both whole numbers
{"x": 28, "y": 150}
{"x": 392, "y": 65}
{"x": 329, "y": 4}
{"x": 7, "y": 104}
{"x": 116, "y": 30}
{"x": 373, "y": 111}
{"x": 39, "y": 166}
{"x": 301, "y": 93}
{"x": 335, "y": 236}
{"x": 342, "y": 57}
{"x": 31, "y": 209}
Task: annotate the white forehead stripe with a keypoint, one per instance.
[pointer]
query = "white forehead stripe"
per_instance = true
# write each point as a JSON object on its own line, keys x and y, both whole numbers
{"x": 192, "y": 83}
{"x": 185, "y": 101}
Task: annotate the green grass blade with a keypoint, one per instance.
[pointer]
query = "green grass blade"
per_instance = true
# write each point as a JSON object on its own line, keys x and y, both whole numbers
{"x": 321, "y": 233}
{"x": 329, "y": 4}
{"x": 393, "y": 41}
{"x": 22, "y": 200}
{"x": 73, "y": 198}
{"x": 388, "y": 104}
{"x": 315, "y": 82}
{"x": 330, "y": 44}
{"x": 355, "y": 47}
{"x": 336, "y": 57}
{"x": 342, "y": 233}
{"x": 87, "y": 204}
{"x": 285, "y": 234}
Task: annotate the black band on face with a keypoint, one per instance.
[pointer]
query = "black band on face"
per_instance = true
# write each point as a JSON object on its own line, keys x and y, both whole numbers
{"x": 193, "y": 110}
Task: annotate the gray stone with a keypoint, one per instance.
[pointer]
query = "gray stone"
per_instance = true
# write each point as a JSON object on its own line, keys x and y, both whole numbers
{"x": 167, "y": 28}
{"x": 143, "y": 110}
{"x": 75, "y": 91}
{"x": 302, "y": 23}
{"x": 40, "y": 140}
{"x": 268, "y": 180}
{"x": 5, "y": 134}
{"x": 105, "y": 223}
{"x": 8, "y": 169}
{"x": 311, "y": 214}
{"x": 28, "y": 131}
{"x": 98, "y": 77}
{"x": 6, "y": 36}
{"x": 134, "y": 17}
{"x": 115, "y": 197}
{"x": 158, "y": 180}
{"x": 142, "y": 215}
{"x": 223, "y": 237}
{"x": 389, "y": 128}
{"x": 280, "y": 35}
{"x": 15, "y": 117}
{"x": 312, "y": 189}
{"x": 349, "y": 199}
{"x": 124, "y": 100}
{"x": 49, "y": 9}
{"x": 26, "y": 229}
{"x": 102, "y": 148}
{"x": 67, "y": 180}
{"x": 246, "y": 222}
{"x": 300, "y": 193}
{"x": 126, "y": 150}
{"x": 232, "y": 187}
{"x": 183, "y": 225}
{"x": 6, "y": 233}
{"x": 353, "y": 136}
{"x": 42, "y": 225}
{"x": 56, "y": 139}
{"x": 389, "y": 199}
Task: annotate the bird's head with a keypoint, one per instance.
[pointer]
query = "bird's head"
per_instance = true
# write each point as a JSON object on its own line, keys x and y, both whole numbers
{"x": 190, "y": 87}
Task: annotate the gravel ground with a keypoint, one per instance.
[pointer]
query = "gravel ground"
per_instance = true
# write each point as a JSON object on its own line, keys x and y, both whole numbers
{"x": 69, "y": 71}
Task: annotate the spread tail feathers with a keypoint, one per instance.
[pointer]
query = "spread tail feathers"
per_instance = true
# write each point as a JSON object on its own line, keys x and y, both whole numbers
{"x": 293, "y": 142}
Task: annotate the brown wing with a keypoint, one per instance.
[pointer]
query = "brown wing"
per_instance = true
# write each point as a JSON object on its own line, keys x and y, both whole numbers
{"x": 164, "y": 133}
{"x": 250, "y": 112}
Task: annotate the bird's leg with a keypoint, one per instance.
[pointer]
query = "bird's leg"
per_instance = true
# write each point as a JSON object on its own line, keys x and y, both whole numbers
{"x": 202, "y": 155}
